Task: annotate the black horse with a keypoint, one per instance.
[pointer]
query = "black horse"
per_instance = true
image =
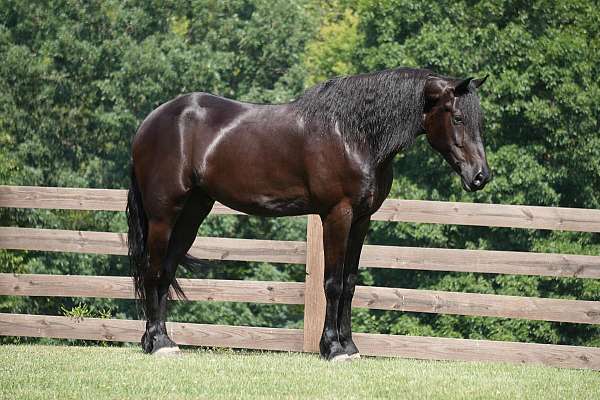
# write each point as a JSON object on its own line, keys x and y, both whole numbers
{"x": 329, "y": 152}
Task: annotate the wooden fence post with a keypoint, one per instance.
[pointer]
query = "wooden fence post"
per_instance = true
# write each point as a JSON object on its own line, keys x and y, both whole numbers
{"x": 314, "y": 294}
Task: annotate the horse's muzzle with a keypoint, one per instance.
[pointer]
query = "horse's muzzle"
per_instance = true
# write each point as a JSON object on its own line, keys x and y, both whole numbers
{"x": 479, "y": 181}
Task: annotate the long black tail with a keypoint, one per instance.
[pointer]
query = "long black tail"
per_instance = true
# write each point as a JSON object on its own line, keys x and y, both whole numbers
{"x": 198, "y": 266}
{"x": 137, "y": 237}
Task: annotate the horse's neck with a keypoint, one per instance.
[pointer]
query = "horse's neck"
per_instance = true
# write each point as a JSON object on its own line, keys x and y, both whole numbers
{"x": 386, "y": 144}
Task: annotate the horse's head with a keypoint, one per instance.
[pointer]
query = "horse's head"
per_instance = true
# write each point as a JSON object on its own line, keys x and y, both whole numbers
{"x": 452, "y": 120}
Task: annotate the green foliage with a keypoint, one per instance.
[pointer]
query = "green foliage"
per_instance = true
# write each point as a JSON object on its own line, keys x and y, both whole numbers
{"x": 330, "y": 54}
{"x": 82, "y": 310}
{"x": 78, "y": 77}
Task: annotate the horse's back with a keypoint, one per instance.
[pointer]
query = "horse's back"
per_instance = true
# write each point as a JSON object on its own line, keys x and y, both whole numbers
{"x": 170, "y": 123}
{"x": 198, "y": 105}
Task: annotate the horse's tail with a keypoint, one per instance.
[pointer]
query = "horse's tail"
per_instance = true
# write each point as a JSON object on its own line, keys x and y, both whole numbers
{"x": 137, "y": 237}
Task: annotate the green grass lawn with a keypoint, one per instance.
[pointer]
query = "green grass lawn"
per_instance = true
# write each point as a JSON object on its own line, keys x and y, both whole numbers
{"x": 61, "y": 372}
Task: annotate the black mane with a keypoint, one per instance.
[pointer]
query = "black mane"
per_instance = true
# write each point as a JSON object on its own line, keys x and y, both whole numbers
{"x": 381, "y": 109}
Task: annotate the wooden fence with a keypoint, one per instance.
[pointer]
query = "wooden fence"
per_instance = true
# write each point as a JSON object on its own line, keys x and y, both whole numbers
{"x": 310, "y": 292}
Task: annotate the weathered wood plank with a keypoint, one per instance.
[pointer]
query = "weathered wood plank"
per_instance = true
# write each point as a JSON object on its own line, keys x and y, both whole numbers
{"x": 63, "y": 198}
{"x": 226, "y": 249}
{"x": 314, "y": 296}
{"x": 74, "y": 199}
{"x": 63, "y": 240}
{"x": 500, "y": 262}
{"x": 212, "y": 248}
{"x": 120, "y": 287}
{"x": 487, "y": 261}
{"x": 131, "y": 331}
{"x": 516, "y": 216}
{"x": 435, "y": 348}
{"x": 267, "y": 292}
{"x": 419, "y": 211}
{"x": 486, "y": 305}
{"x": 429, "y": 348}
{"x": 242, "y": 337}
{"x": 220, "y": 209}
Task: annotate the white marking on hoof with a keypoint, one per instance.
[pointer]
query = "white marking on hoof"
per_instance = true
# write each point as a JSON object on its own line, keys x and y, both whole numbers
{"x": 355, "y": 356}
{"x": 167, "y": 352}
{"x": 340, "y": 358}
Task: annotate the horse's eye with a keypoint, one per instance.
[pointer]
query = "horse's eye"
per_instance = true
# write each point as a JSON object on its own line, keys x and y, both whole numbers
{"x": 457, "y": 119}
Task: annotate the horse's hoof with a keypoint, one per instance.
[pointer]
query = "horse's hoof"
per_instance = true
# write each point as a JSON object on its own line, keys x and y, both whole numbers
{"x": 355, "y": 356}
{"x": 168, "y": 352}
{"x": 340, "y": 358}
{"x": 146, "y": 344}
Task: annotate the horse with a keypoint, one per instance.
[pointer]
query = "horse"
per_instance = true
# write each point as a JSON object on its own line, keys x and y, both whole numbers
{"x": 328, "y": 152}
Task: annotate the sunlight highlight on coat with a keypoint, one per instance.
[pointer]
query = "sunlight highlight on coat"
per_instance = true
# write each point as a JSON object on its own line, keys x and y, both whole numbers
{"x": 219, "y": 137}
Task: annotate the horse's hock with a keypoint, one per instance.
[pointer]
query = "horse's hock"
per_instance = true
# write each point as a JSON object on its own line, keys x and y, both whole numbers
{"x": 310, "y": 292}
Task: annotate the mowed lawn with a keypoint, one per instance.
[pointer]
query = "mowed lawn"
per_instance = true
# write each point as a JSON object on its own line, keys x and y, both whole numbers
{"x": 61, "y": 372}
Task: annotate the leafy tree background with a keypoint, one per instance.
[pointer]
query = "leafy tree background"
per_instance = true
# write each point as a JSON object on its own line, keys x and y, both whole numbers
{"x": 77, "y": 78}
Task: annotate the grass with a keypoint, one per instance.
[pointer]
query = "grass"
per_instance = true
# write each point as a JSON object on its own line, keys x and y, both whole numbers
{"x": 62, "y": 372}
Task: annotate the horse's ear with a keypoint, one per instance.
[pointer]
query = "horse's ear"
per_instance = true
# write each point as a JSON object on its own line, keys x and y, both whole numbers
{"x": 433, "y": 91}
{"x": 462, "y": 87}
{"x": 480, "y": 81}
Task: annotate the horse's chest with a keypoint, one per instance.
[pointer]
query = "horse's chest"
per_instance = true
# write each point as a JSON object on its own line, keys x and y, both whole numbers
{"x": 377, "y": 190}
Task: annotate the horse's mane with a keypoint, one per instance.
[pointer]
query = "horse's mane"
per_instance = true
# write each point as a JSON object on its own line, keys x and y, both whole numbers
{"x": 381, "y": 109}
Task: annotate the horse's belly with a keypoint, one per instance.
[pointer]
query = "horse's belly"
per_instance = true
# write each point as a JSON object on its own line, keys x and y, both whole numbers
{"x": 258, "y": 195}
{"x": 268, "y": 206}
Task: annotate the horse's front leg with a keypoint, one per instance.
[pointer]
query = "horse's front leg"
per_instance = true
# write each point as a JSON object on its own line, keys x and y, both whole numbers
{"x": 336, "y": 228}
{"x": 358, "y": 231}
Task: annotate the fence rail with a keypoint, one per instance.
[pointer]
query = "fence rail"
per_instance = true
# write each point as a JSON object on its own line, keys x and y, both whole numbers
{"x": 310, "y": 292}
{"x": 380, "y": 298}
{"x": 420, "y": 211}
{"x": 396, "y": 257}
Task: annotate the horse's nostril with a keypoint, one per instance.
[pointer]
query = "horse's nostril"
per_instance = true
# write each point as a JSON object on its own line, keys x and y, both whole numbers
{"x": 479, "y": 178}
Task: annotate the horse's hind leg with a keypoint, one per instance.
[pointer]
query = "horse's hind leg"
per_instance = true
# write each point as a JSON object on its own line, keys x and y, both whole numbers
{"x": 159, "y": 233}
{"x": 168, "y": 244}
